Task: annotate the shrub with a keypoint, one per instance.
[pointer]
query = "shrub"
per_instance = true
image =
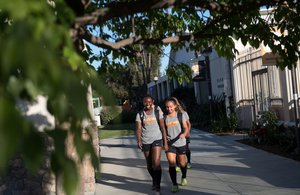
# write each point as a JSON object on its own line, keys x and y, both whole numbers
{"x": 232, "y": 122}
{"x": 266, "y": 129}
{"x": 128, "y": 116}
{"x": 198, "y": 115}
{"x": 219, "y": 126}
{"x": 218, "y": 107}
{"x": 287, "y": 137}
{"x": 109, "y": 113}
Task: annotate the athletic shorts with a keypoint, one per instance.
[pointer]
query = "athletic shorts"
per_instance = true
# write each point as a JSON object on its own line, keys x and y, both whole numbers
{"x": 188, "y": 140}
{"x": 148, "y": 147}
{"x": 177, "y": 150}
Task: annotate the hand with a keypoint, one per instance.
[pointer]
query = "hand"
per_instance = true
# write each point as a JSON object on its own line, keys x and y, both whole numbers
{"x": 166, "y": 147}
{"x": 140, "y": 145}
{"x": 182, "y": 136}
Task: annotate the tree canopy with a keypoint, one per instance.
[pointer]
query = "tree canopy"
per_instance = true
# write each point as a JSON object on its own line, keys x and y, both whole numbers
{"x": 43, "y": 54}
{"x": 203, "y": 23}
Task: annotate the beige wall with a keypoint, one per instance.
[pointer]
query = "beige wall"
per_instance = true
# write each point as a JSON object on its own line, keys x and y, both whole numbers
{"x": 258, "y": 87}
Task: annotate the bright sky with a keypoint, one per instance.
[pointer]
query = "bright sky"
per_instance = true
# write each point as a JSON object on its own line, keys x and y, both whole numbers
{"x": 164, "y": 58}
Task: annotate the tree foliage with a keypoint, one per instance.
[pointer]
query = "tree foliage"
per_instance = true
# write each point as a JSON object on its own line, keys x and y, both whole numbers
{"x": 118, "y": 78}
{"x": 203, "y": 23}
{"x": 43, "y": 54}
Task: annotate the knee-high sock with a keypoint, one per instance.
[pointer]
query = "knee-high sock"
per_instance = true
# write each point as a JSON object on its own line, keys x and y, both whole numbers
{"x": 177, "y": 161}
{"x": 173, "y": 175}
{"x": 188, "y": 155}
{"x": 157, "y": 174}
{"x": 151, "y": 172}
{"x": 183, "y": 171}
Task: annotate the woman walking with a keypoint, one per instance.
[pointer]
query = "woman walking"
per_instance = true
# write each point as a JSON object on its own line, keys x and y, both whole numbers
{"x": 151, "y": 136}
{"x": 181, "y": 108}
{"x": 177, "y": 130}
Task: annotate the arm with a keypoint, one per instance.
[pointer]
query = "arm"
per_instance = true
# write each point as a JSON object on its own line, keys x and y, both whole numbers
{"x": 189, "y": 127}
{"x": 186, "y": 130}
{"x": 139, "y": 134}
{"x": 188, "y": 123}
{"x": 164, "y": 133}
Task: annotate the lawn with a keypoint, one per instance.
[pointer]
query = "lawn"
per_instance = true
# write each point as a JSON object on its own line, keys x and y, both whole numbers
{"x": 116, "y": 130}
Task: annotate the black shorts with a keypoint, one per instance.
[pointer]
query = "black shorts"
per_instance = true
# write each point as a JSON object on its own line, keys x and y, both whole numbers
{"x": 177, "y": 150}
{"x": 148, "y": 147}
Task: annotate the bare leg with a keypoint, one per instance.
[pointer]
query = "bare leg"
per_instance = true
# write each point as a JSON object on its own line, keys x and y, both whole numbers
{"x": 156, "y": 157}
{"x": 148, "y": 157}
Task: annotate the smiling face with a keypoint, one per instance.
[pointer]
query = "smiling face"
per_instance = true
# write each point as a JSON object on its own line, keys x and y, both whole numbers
{"x": 171, "y": 107}
{"x": 148, "y": 102}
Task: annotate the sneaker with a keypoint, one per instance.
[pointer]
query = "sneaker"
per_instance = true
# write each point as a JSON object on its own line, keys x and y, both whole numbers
{"x": 153, "y": 186}
{"x": 189, "y": 165}
{"x": 157, "y": 192}
{"x": 183, "y": 181}
{"x": 177, "y": 169}
{"x": 175, "y": 188}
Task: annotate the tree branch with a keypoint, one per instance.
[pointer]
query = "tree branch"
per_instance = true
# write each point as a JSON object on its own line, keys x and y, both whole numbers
{"x": 119, "y": 9}
{"x": 117, "y": 46}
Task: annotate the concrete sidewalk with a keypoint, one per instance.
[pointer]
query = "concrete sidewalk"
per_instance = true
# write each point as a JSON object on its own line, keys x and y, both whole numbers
{"x": 220, "y": 166}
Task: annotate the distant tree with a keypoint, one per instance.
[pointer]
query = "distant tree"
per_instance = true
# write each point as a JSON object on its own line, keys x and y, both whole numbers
{"x": 145, "y": 68}
{"x": 118, "y": 78}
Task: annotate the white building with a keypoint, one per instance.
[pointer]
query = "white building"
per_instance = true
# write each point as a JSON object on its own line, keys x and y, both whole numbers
{"x": 218, "y": 76}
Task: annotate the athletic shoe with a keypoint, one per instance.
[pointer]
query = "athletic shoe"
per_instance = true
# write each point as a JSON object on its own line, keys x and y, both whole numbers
{"x": 153, "y": 187}
{"x": 175, "y": 188}
{"x": 189, "y": 165}
{"x": 157, "y": 193}
{"x": 183, "y": 181}
{"x": 177, "y": 169}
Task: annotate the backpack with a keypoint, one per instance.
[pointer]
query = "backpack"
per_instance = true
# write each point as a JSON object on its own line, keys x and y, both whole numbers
{"x": 142, "y": 115}
{"x": 179, "y": 117}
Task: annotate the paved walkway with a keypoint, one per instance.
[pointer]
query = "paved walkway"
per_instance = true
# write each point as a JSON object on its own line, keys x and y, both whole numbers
{"x": 220, "y": 166}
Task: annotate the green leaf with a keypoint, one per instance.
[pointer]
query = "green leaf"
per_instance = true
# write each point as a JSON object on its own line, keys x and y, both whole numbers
{"x": 70, "y": 177}
{"x": 15, "y": 86}
{"x": 10, "y": 130}
{"x": 73, "y": 58}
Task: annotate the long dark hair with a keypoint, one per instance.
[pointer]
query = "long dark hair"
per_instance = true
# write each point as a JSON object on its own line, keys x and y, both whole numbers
{"x": 179, "y": 107}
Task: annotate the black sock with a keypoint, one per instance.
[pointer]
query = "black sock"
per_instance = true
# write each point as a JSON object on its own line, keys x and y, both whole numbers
{"x": 183, "y": 171}
{"x": 173, "y": 175}
{"x": 188, "y": 156}
{"x": 151, "y": 172}
{"x": 157, "y": 178}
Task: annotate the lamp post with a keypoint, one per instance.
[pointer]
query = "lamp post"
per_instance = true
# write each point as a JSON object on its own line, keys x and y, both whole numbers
{"x": 156, "y": 88}
{"x": 206, "y": 53}
{"x": 296, "y": 107}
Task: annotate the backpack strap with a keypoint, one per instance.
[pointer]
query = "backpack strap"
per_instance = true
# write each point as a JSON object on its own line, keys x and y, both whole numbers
{"x": 156, "y": 112}
{"x": 142, "y": 116}
{"x": 179, "y": 116}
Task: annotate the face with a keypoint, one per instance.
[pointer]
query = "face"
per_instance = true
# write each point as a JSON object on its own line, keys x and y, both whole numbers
{"x": 171, "y": 107}
{"x": 148, "y": 102}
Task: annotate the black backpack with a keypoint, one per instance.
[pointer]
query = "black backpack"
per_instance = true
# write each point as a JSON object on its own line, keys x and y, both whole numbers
{"x": 142, "y": 116}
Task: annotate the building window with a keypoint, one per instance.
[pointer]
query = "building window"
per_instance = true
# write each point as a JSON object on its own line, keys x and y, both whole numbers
{"x": 274, "y": 80}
